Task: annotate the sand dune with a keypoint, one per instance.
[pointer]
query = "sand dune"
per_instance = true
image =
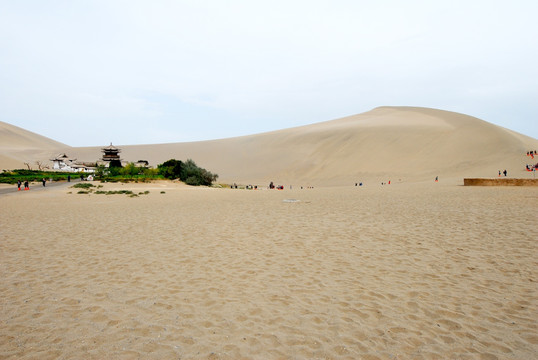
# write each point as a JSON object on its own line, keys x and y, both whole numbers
{"x": 18, "y": 146}
{"x": 412, "y": 270}
{"x": 388, "y": 142}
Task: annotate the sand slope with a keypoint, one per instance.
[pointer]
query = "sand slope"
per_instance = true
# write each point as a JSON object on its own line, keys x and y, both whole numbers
{"x": 18, "y": 146}
{"x": 386, "y": 143}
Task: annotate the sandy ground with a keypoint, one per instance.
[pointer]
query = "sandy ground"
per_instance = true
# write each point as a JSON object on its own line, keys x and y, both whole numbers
{"x": 401, "y": 271}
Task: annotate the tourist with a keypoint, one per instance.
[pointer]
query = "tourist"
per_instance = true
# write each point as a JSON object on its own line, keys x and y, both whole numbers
{"x": 19, "y": 185}
{"x": 505, "y": 172}
{"x": 26, "y": 185}
{"x": 44, "y": 181}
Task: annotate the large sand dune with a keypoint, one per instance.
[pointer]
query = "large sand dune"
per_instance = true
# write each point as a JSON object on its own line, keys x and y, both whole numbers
{"x": 414, "y": 270}
{"x": 386, "y": 143}
{"x": 18, "y": 146}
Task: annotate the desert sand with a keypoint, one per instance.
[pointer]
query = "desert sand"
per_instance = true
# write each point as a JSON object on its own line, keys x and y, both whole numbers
{"x": 408, "y": 143}
{"x": 412, "y": 270}
{"x": 401, "y": 271}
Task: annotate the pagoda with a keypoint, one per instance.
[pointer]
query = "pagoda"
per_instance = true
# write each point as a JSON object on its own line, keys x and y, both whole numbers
{"x": 111, "y": 156}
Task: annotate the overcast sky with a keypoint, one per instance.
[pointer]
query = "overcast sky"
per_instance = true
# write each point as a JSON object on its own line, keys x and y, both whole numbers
{"x": 134, "y": 72}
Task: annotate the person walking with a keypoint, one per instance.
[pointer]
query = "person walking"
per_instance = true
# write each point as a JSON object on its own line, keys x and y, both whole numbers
{"x": 505, "y": 172}
{"x": 19, "y": 183}
{"x": 44, "y": 182}
{"x": 26, "y": 185}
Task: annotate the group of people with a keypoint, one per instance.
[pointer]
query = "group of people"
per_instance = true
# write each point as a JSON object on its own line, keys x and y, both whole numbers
{"x": 26, "y": 185}
{"x": 531, "y": 153}
{"x": 504, "y": 173}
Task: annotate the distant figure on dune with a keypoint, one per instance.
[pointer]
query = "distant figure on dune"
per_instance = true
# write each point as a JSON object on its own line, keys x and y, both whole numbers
{"x": 499, "y": 173}
{"x": 437, "y": 179}
{"x": 505, "y": 172}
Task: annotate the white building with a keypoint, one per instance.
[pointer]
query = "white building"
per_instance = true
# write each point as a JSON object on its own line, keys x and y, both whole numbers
{"x": 62, "y": 162}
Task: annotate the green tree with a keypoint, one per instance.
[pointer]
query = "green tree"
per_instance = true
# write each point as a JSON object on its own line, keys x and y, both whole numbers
{"x": 187, "y": 171}
{"x": 129, "y": 170}
{"x": 100, "y": 171}
{"x": 170, "y": 169}
{"x": 114, "y": 171}
{"x": 150, "y": 173}
{"x": 192, "y": 174}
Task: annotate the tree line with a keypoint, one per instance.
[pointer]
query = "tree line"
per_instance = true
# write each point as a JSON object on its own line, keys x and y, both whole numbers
{"x": 187, "y": 171}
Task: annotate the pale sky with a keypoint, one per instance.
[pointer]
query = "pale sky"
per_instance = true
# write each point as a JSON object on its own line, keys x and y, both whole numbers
{"x": 87, "y": 73}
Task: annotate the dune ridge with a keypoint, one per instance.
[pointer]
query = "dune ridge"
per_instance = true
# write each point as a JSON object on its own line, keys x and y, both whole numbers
{"x": 387, "y": 142}
{"x": 18, "y": 146}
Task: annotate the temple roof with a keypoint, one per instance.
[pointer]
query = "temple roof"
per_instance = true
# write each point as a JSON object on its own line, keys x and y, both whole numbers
{"x": 111, "y": 148}
{"x": 62, "y": 157}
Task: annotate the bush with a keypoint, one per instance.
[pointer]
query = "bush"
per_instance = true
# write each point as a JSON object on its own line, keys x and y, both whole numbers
{"x": 193, "y": 180}
{"x": 170, "y": 169}
{"x": 188, "y": 172}
{"x": 83, "y": 186}
{"x": 11, "y": 177}
{"x": 191, "y": 174}
{"x": 130, "y": 170}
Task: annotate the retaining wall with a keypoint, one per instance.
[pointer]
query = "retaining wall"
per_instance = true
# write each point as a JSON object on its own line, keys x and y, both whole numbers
{"x": 500, "y": 182}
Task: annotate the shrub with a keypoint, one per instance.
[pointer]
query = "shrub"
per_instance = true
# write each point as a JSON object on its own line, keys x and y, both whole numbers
{"x": 130, "y": 170}
{"x": 83, "y": 185}
{"x": 188, "y": 172}
{"x": 193, "y": 180}
{"x": 11, "y": 177}
{"x": 170, "y": 169}
{"x": 150, "y": 173}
